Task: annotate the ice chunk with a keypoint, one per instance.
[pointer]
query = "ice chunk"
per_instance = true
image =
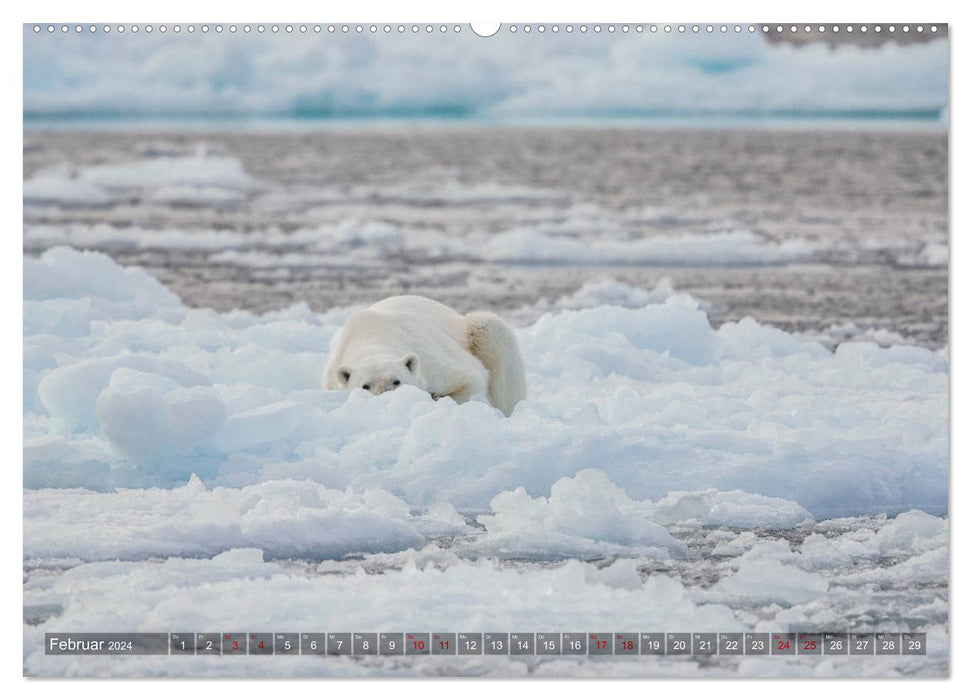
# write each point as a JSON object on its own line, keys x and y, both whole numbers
{"x": 610, "y": 293}
{"x": 929, "y": 568}
{"x": 267, "y": 424}
{"x": 584, "y": 516}
{"x": 735, "y": 546}
{"x": 57, "y": 186}
{"x": 623, "y": 573}
{"x": 115, "y": 291}
{"x": 441, "y": 520}
{"x": 183, "y": 179}
{"x": 819, "y": 552}
{"x": 730, "y": 509}
{"x": 71, "y": 391}
{"x": 613, "y": 338}
{"x": 146, "y": 415}
{"x": 913, "y": 531}
{"x": 764, "y": 581}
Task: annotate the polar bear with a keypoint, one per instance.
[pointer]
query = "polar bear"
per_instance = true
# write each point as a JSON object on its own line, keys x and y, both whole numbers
{"x": 414, "y": 340}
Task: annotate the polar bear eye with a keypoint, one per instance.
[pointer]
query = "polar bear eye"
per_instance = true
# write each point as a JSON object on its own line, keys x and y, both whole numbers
{"x": 366, "y": 387}
{"x": 396, "y": 382}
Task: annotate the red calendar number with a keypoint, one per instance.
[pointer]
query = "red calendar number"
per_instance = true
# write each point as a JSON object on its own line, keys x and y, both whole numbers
{"x": 443, "y": 644}
{"x": 418, "y": 644}
{"x": 809, "y": 645}
{"x": 602, "y": 644}
{"x": 628, "y": 645}
{"x": 783, "y": 645}
{"x": 236, "y": 645}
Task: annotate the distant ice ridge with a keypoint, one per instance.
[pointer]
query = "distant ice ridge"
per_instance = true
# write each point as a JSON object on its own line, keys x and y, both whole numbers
{"x": 511, "y": 75}
{"x": 125, "y": 387}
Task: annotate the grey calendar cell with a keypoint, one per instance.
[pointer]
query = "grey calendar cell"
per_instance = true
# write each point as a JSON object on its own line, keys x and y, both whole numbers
{"x": 731, "y": 644}
{"x": 652, "y": 643}
{"x": 443, "y": 643}
{"x": 261, "y": 643}
{"x": 286, "y": 643}
{"x": 470, "y": 643}
{"x": 677, "y": 643}
{"x": 783, "y": 644}
{"x": 548, "y": 643}
{"x": 391, "y": 643}
{"x": 313, "y": 643}
{"x": 913, "y": 644}
{"x": 496, "y": 643}
{"x": 704, "y": 643}
{"x": 600, "y": 644}
{"x": 234, "y": 643}
{"x": 626, "y": 643}
{"x": 338, "y": 643}
{"x": 887, "y": 644}
{"x": 522, "y": 643}
{"x": 364, "y": 643}
{"x": 574, "y": 643}
{"x": 861, "y": 644}
{"x": 756, "y": 643}
{"x": 809, "y": 644}
{"x": 836, "y": 643}
{"x": 418, "y": 643}
{"x": 182, "y": 643}
{"x": 208, "y": 643}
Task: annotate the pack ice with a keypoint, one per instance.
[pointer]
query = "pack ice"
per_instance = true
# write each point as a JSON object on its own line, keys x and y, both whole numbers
{"x": 175, "y": 449}
{"x": 745, "y": 426}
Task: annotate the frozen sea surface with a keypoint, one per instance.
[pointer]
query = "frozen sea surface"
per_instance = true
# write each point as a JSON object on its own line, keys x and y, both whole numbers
{"x": 183, "y": 470}
{"x": 736, "y": 345}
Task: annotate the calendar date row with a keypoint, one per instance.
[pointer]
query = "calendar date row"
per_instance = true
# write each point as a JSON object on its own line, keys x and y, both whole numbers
{"x": 490, "y": 643}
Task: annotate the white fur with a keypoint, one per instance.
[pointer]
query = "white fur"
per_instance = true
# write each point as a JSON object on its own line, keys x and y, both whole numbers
{"x": 414, "y": 340}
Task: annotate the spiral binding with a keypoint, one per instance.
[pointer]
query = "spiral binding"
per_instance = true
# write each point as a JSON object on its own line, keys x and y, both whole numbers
{"x": 881, "y": 30}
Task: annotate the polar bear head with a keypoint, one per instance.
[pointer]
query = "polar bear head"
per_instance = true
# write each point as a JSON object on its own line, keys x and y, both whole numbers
{"x": 380, "y": 373}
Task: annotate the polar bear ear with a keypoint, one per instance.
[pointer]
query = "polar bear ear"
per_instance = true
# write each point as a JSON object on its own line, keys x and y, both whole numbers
{"x": 410, "y": 361}
{"x": 345, "y": 374}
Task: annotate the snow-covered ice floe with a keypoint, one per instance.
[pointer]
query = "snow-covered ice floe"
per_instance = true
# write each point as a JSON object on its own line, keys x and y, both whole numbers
{"x": 182, "y": 466}
{"x": 187, "y": 179}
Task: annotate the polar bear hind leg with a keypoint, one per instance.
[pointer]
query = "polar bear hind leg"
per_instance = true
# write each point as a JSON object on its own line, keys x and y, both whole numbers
{"x": 493, "y": 342}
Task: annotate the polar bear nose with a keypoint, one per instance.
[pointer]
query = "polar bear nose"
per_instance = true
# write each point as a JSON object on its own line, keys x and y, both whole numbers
{"x": 385, "y": 385}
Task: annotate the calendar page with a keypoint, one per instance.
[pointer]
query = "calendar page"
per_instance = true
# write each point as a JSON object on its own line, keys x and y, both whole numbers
{"x": 564, "y": 350}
